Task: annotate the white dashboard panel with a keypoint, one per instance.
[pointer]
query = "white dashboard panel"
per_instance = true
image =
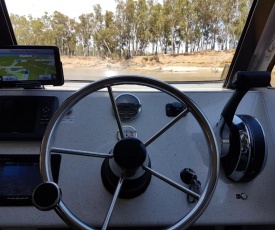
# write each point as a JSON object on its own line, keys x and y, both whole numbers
{"x": 91, "y": 126}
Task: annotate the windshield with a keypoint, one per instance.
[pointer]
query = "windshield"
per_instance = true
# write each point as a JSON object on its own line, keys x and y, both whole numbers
{"x": 172, "y": 40}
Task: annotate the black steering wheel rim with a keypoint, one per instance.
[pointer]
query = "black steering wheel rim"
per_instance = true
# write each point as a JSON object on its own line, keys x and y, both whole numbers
{"x": 212, "y": 178}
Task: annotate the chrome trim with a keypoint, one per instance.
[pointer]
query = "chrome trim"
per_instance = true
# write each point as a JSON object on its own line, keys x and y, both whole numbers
{"x": 248, "y": 156}
{"x": 223, "y": 136}
{"x": 138, "y": 111}
{"x": 245, "y": 150}
{"x": 127, "y": 129}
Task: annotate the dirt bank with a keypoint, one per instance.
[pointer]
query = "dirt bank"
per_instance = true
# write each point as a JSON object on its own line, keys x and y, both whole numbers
{"x": 164, "y": 62}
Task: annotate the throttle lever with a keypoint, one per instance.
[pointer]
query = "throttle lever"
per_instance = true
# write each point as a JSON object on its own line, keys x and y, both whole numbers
{"x": 243, "y": 81}
{"x": 243, "y": 148}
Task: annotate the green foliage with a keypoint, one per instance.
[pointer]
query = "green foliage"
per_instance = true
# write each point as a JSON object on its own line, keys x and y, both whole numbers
{"x": 137, "y": 26}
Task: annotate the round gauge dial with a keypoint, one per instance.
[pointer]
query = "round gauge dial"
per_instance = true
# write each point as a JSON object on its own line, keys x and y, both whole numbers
{"x": 129, "y": 106}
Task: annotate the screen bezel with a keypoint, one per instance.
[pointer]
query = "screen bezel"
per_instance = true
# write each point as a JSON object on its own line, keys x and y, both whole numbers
{"x": 29, "y": 83}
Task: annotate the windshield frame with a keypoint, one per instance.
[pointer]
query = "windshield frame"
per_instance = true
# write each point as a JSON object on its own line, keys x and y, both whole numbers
{"x": 7, "y": 33}
{"x": 252, "y": 33}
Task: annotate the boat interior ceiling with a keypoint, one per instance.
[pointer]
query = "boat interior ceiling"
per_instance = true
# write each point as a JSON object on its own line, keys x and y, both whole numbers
{"x": 131, "y": 151}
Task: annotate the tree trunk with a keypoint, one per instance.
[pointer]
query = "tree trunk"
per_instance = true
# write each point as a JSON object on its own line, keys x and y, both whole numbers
{"x": 186, "y": 47}
{"x": 107, "y": 47}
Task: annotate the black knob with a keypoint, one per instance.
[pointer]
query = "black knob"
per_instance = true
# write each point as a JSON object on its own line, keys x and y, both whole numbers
{"x": 129, "y": 153}
{"x": 187, "y": 175}
{"x": 46, "y": 196}
{"x": 174, "y": 109}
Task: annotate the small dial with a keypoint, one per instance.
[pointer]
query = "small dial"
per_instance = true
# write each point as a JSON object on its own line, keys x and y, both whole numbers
{"x": 128, "y": 131}
{"x": 129, "y": 106}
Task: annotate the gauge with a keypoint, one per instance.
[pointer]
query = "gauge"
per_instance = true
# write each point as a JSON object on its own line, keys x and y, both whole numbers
{"x": 129, "y": 106}
{"x": 128, "y": 131}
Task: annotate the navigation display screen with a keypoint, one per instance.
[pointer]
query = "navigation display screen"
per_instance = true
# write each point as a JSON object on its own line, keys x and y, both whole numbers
{"x": 34, "y": 64}
{"x": 20, "y": 175}
{"x": 25, "y": 117}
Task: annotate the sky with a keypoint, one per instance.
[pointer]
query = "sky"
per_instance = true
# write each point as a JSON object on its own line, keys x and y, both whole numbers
{"x": 71, "y": 8}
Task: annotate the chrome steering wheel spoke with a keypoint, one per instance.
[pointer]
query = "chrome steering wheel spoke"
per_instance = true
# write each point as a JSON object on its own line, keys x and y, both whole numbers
{"x": 115, "y": 111}
{"x": 165, "y": 128}
{"x": 111, "y": 209}
{"x": 81, "y": 153}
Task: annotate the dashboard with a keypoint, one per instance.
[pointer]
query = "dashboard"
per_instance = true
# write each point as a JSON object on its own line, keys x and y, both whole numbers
{"x": 91, "y": 125}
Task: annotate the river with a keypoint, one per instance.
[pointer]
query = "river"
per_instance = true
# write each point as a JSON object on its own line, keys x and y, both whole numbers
{"x": 92, "y": 75}
{"x": 95, "y": 74}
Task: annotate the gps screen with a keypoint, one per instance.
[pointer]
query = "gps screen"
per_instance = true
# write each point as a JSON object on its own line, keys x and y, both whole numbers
{"x": 30, "y": 63}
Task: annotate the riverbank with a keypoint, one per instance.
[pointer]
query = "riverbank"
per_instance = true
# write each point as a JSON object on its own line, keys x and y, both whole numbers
{"x": 187, "y": 62}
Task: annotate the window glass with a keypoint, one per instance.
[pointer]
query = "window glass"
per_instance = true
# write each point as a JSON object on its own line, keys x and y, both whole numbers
{"x": 172, "y": 40}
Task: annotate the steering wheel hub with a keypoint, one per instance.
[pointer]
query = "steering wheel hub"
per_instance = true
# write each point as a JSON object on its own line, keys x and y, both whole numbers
{"x": 129, "y": 157}
{"x": 129, "y": 153}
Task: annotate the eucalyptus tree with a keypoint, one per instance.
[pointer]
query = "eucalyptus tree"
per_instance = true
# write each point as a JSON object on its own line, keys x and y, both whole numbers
{"x": 171, "y": 17}
{"x": 188, "y": 29}
{"x": 48, "y": 32}
{"x": 21, "y": 28}
{"x": 130, "y": 25}
{"x": 125, "y": 18}
{"x": 84, "y": 30}
{"x": 107, "y": 36}
{"x": 241, "y": 9}
{"x": 62, "y": 30}
{"x": 97, "y": 27}
{"x": 142, "y": 36}
{"x": 120, "y": 25}
{"x": 36, "y": 36}
{"x": 156, "y": 25}
{"x": 225, "y": 21}
{"x": 207, "y": 13}
{"x": 71, "y": 37}
{"x": 104, "y": 32}
{"x": 179, "y": 23}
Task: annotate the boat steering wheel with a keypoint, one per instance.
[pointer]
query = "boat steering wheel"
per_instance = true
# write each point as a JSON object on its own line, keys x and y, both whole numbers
{"x": 118, "y": 170}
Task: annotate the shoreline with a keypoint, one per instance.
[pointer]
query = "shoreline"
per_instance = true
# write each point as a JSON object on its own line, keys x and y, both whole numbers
{"x": 191, "y": 62}
{"x": 202, "y": 62}
{"x": 167, "y": 69}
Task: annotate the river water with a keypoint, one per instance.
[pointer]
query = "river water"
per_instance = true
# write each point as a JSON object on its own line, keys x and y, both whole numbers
{"x": 95, "y": 74}
{"x": 92, "y": 74}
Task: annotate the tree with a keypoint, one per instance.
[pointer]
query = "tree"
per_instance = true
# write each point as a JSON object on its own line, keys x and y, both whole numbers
{"x": 138, "y": 24}
{"x": 238, "y": 20}
{"x": 155, "y": 25}
{"x": 48, "y": 33}
{"x": 121, "y": 27}
{"x": 107, "y": 35}
{"x": 60, "y": 24}
{"x": 130, "y": 25}
{"x": 142, "y": 35}
{"x": 21, "y": 29}
{"x": 188, "y": 25}
{"x": 84, "y": 30}
{"x": 171, "y": 14}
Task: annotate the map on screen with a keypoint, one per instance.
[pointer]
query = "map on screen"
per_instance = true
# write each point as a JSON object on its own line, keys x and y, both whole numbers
{"x": 27, "y": 65}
